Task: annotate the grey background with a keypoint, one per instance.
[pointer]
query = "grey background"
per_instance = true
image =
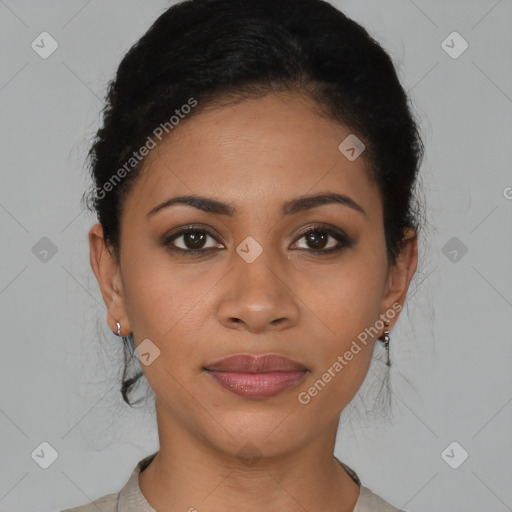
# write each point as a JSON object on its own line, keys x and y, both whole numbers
{"x": 452, "y": 352}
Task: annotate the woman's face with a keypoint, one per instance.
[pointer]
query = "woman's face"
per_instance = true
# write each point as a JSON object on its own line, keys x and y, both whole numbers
{"x": 258, "y": 287}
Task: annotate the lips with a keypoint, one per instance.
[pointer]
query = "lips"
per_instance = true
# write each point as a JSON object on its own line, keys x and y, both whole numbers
{"x": 256, "y": 377}
{"x": 246, "y": 363}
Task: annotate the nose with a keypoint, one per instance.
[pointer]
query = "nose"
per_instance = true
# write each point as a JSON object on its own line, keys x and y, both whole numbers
{"x": 258, "y": 297}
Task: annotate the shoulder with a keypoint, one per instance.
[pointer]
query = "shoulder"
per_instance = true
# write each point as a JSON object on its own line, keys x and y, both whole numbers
{"x": 129, "y": 498}
{"x": 371, "y": 502}
{"x": 368, "y": 501}
{"x": 107, "y": 503}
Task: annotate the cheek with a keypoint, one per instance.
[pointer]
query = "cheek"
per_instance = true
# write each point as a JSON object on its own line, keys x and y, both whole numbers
{"x": 349, "y": 307}
{"x": 159, "y": 294}
{"x": 166, "y": 304}
{"x": 327, "y": 393}
{"x": 347, "y": 297}
{"x": 348, "y": 301}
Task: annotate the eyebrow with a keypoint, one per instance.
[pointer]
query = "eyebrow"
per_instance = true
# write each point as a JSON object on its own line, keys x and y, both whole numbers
{"x": 298, "y": 204}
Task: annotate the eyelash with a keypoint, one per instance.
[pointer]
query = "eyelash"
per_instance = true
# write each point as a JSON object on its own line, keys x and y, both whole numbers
{"x": 343, "y": 240}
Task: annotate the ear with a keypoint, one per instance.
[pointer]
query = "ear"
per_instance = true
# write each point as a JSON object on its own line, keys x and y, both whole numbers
{"x": 400, "y": 274}
{"x": 107, "y": 273}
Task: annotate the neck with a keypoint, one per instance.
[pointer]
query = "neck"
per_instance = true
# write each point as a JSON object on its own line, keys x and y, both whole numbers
{"x": 188, "y": 473}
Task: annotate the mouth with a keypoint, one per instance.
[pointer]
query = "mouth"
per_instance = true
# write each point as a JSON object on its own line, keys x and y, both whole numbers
{"x": 256, "y": 377}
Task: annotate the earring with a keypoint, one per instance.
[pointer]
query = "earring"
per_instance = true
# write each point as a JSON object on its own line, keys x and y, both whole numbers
{"x": 385, "y": 338}
{"x": 125, "y": 338}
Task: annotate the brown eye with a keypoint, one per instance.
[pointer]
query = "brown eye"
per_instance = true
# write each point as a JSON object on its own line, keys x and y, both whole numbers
{"x": 317, "y": 239}
{"x": 321, "y": 240}
{"x": 190, "y": 240}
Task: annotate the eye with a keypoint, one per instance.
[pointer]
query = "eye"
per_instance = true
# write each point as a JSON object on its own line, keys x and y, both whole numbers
{"x": 192, "y": 240}
{"x": 318, "y": 240}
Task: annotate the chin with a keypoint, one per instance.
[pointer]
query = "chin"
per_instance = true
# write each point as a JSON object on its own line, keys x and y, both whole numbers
{"x": 258, "y": 434}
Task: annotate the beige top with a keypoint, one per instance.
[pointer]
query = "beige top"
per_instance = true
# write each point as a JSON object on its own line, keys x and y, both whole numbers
{"x": 131, "y": 499}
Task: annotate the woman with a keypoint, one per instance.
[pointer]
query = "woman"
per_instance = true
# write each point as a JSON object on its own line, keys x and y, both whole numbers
{"x": 254, "y": 181}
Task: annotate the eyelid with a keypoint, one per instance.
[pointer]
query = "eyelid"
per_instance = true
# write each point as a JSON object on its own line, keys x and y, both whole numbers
{"x": 325, "y": 227}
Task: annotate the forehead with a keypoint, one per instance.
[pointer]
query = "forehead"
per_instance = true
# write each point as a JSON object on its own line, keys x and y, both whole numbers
{"x": 253, "y": 154}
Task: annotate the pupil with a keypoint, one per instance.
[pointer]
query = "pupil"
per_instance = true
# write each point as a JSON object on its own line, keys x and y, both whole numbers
{"x": 317, "y": 237}
{"x": 195, "y": 237}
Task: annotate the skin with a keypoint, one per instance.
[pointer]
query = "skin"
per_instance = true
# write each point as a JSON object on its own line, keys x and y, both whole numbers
{"x": 254, "y": 155}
